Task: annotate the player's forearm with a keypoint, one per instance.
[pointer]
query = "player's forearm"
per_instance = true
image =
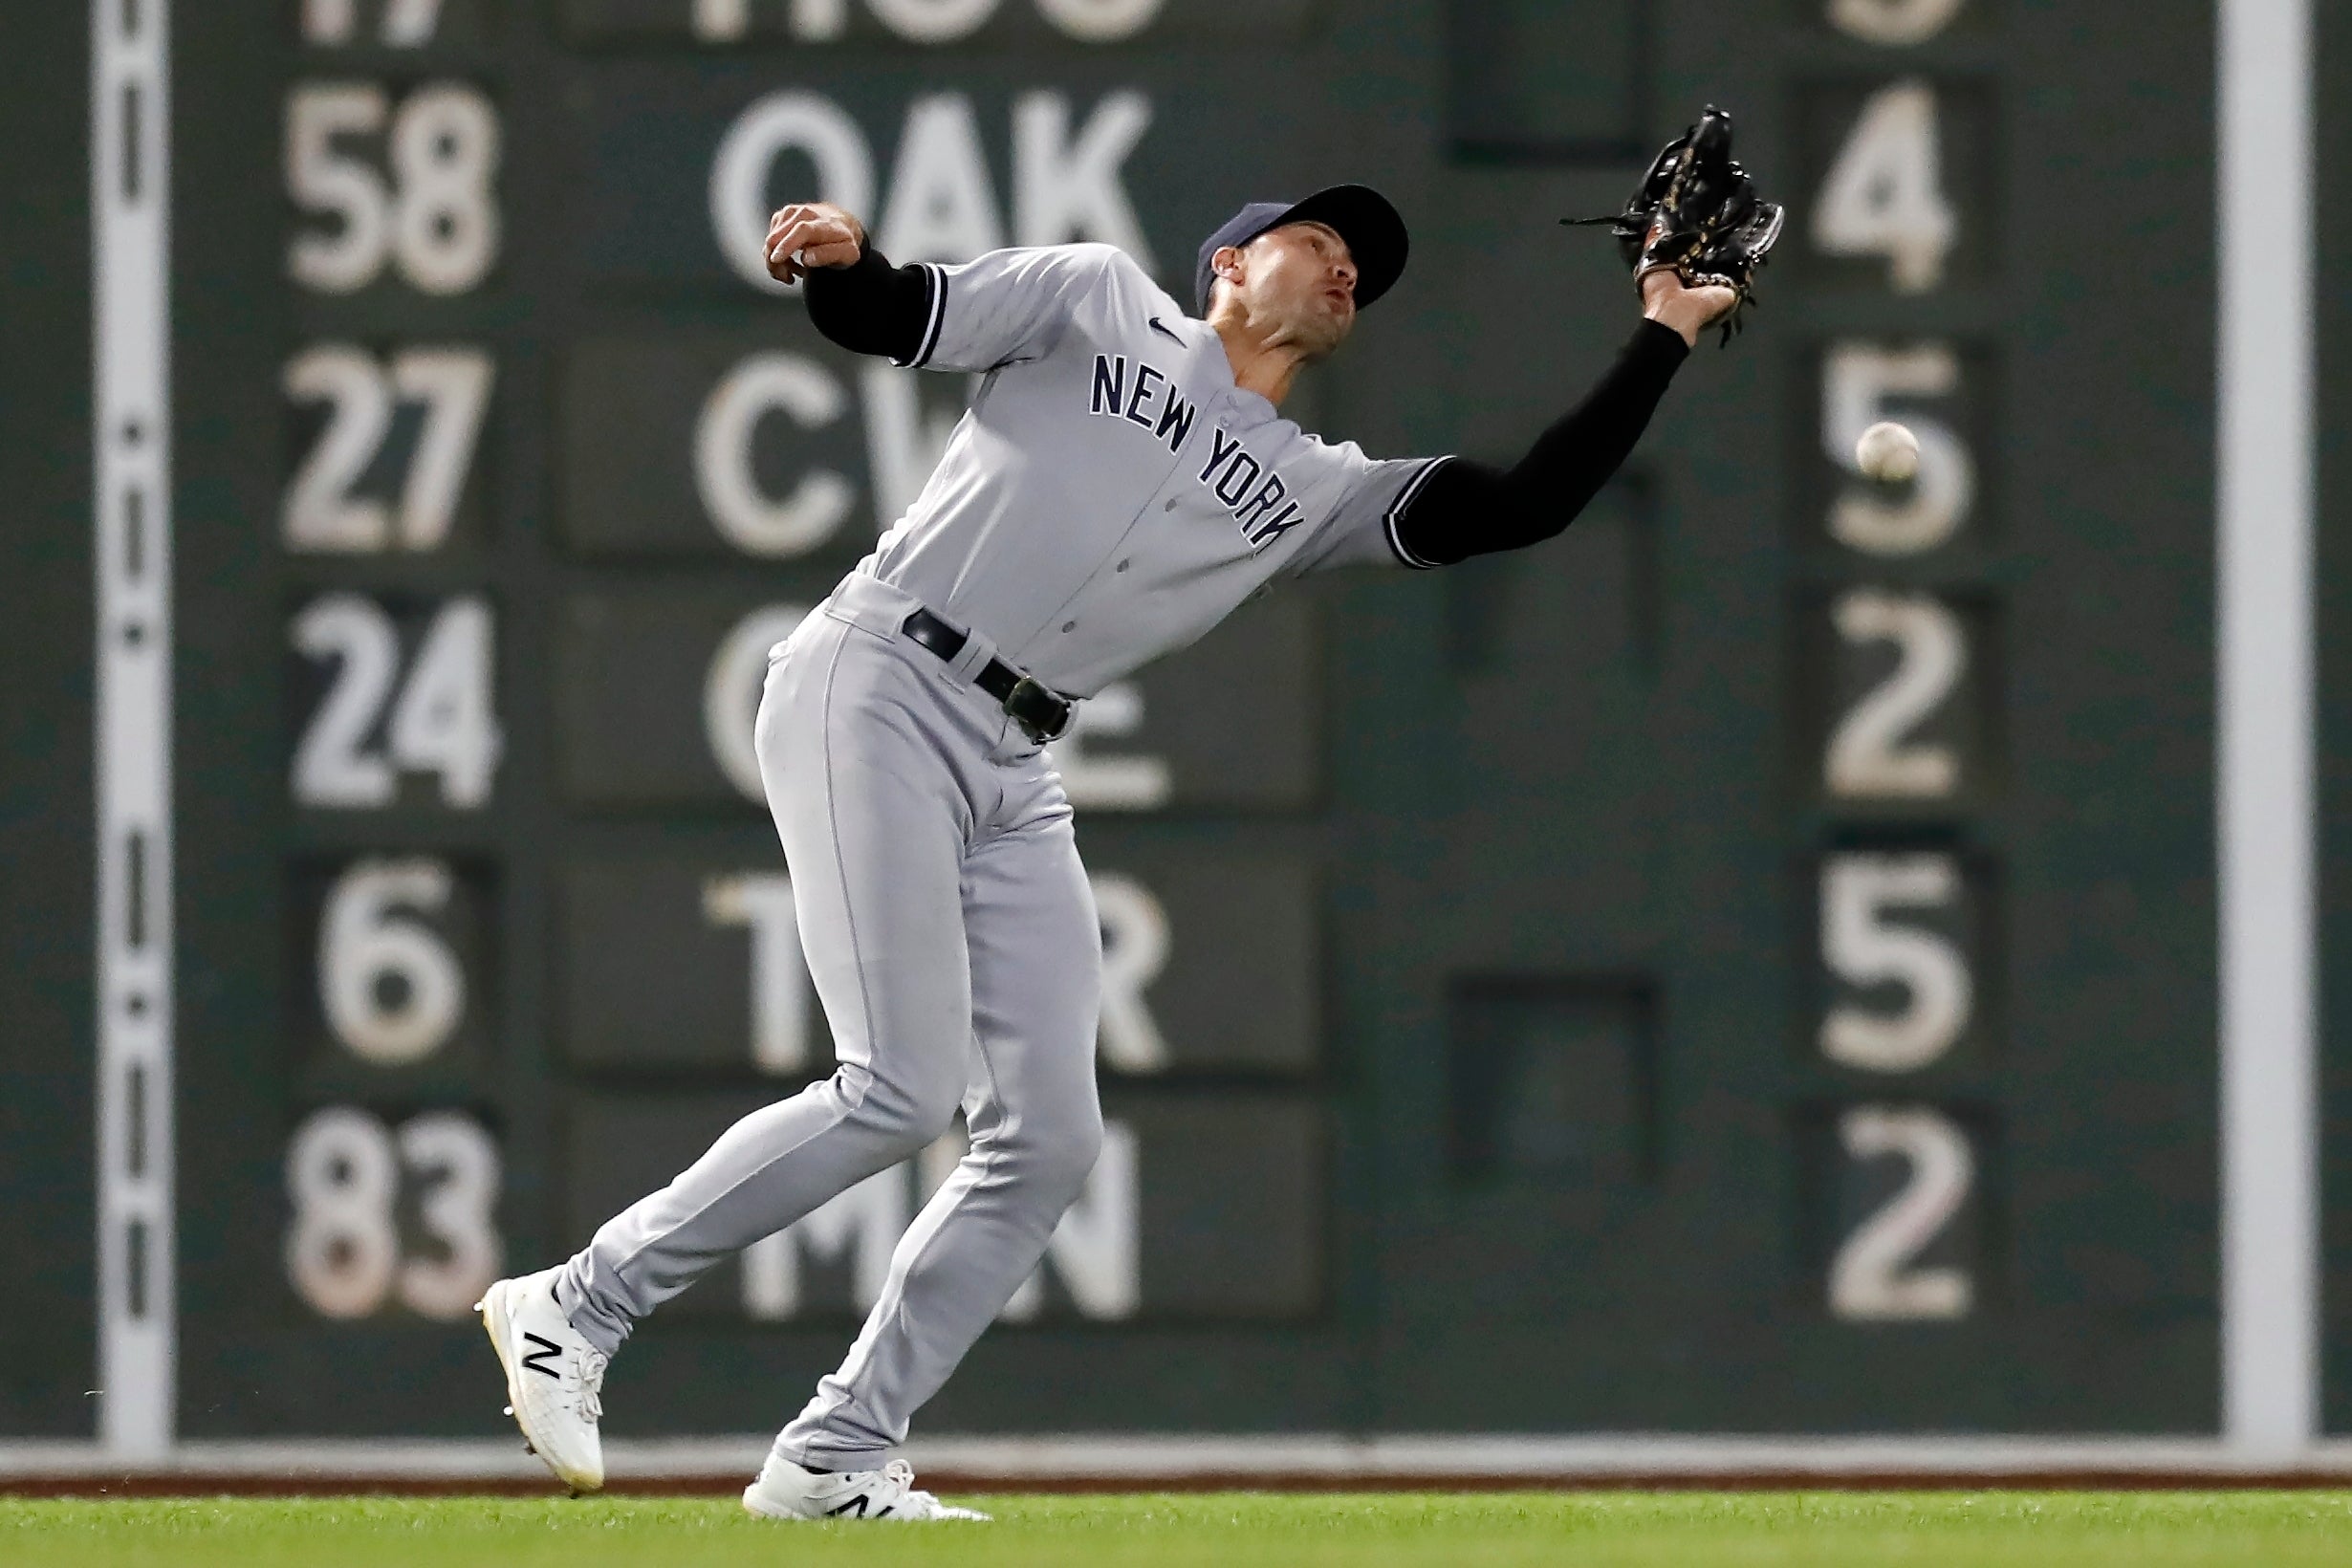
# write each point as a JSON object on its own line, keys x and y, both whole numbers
{"x": 871, "y": 307}
{"x": 1471, "y": 509}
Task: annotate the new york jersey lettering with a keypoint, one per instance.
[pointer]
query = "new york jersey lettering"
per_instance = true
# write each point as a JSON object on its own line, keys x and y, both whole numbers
{"x": 1250, "y": 490}
{"x": 1112, "y": 397}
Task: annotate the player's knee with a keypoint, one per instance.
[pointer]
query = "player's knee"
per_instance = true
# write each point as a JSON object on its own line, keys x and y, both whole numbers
{"x": 918, "y": 1103}
{"x": 1061, "y": 1153}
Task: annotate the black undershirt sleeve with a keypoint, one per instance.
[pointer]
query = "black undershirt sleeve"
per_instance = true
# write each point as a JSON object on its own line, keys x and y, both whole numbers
{"x": 871, "y": 307}
{"x": 1471, "y": 509}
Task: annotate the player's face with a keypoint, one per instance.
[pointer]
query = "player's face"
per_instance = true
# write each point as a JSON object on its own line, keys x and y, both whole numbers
{"x": 1300, "y": 281}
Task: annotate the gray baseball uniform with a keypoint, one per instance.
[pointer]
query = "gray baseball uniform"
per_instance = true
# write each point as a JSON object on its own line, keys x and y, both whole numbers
{"x": 1109, "y": 497}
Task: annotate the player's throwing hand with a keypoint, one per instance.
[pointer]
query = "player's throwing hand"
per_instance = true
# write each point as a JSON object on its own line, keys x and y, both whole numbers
{"x": 812, "y": 234}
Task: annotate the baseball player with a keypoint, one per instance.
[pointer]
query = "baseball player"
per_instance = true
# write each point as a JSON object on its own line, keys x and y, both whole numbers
{"x": 1124, "y": 479}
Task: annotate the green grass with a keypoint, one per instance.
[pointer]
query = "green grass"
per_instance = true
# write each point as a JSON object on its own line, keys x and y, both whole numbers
{"x": 1882, "y": 1530}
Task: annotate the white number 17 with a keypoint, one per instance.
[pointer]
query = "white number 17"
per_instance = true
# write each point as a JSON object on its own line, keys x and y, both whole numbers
{"x": 408, "y": 24}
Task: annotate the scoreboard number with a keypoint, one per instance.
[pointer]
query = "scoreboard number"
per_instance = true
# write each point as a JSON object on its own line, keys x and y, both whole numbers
{"x": 441, "y": 720}
{"x": 320, "y": 513}
{"x": 392, "y": 988}
{"x": 1893, "y": 23}
{"x": 1862, "y": 947}
{"x": 1885, "y": 194}
{"x": 1858, "y": 381}
{"x": 435, "y": 220}
{"x": 1876, "y": 1275}
{"x": 1870, "y": 752}
{"x": 405, "y": 24}
{"x": 345, "y": 1173}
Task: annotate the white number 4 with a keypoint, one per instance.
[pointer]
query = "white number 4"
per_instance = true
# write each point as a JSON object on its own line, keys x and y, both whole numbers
{"x": 1885, "y": 194}
{"x": 441, "y": 721}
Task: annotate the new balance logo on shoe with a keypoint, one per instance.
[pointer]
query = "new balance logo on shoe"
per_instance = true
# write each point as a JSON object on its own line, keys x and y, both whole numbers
{"x": 538, "y": 1360}
{"x": 855, "y": 1507}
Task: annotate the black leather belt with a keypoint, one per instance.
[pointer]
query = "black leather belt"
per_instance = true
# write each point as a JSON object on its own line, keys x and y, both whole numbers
{"x": 1042, "y": 714}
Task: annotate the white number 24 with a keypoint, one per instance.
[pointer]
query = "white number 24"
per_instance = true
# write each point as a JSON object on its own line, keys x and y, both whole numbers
{"x": 440, "y": 722}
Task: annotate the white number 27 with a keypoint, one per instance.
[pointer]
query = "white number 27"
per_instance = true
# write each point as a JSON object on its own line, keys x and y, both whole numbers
{"x": 320, "y": 513}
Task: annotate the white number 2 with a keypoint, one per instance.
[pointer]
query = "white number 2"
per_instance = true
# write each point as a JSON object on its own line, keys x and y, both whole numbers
{"x": 442, "y": 722}
{"x": 320, "y": 513}
{"x": 1874, "y": 1277}
{"x": 1885, "y": 194}
{"x": 1868, "y": 754}
{"x": 436, "y": 220}
{"x": 343, "y": 1247}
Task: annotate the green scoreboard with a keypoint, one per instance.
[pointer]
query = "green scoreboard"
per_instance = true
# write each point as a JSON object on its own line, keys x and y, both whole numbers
{"x": 1747, "y": 966}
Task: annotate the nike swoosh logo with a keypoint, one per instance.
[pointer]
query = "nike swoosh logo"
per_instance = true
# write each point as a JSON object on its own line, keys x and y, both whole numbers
{"x": 1164, "y": 331}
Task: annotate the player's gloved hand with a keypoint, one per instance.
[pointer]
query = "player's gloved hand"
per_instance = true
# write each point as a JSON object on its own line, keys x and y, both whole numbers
{"x": 1698, "y": 214}
{"x": 812, "y": 234}
{"x": 1670, "y": 302}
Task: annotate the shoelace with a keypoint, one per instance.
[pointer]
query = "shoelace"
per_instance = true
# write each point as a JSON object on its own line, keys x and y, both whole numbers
{"x": 592, "y": 1364}
{"x": 900, "y": 1476}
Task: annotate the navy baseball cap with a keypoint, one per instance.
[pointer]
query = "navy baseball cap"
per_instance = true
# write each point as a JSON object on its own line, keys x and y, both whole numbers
{"x": 1362, "y": 217}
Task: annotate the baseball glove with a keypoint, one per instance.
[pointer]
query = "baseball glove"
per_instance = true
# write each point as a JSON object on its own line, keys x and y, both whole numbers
{"x": 1697, "y": 211}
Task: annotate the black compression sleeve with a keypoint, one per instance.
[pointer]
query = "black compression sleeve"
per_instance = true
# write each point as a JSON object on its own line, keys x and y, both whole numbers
{"x": 1469, "y": 509}
{"x": 871, "y": 307}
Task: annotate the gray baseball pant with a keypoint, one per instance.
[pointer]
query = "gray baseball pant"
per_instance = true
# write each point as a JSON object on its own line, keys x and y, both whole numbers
{"x": 953, "y": 942}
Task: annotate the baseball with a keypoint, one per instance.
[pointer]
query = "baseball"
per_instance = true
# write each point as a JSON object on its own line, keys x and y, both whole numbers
{"x": 1888, "y": 453}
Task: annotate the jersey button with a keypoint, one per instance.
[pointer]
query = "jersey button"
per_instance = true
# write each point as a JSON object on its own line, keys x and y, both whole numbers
{"x": 1122, "y": 566}
{"x": 1069, "y": 626}
{"x": 1171, "y": 505}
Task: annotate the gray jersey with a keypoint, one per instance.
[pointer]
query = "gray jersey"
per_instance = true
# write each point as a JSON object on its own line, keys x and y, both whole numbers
{"x": 1111, "y": 494}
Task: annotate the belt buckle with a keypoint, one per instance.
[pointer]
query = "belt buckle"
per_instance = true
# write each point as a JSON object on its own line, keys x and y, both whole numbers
{"x": 1025, "y": 692}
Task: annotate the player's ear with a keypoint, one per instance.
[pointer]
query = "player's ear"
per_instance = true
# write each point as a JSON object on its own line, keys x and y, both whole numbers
{"x": 1227, "y": 263}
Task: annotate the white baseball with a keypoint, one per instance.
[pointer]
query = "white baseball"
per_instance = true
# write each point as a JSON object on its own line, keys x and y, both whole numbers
{"x": 1888, "y": 453}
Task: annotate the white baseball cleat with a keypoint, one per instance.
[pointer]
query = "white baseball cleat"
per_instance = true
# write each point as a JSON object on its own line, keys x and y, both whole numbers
{"x": 553, "y": 1377}
{"x": 784, "y": 1491}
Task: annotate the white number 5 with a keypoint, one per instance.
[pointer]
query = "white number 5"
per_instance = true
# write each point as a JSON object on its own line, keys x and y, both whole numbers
{"x": 1893, "y": 22}
{"x": 1856, "y": 383}
{"x": 1862, "y": 947}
